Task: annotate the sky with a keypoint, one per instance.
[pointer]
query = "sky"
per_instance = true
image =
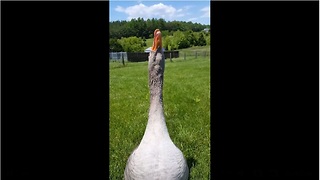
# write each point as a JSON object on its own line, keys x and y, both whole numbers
{"x": 197, "y": 11}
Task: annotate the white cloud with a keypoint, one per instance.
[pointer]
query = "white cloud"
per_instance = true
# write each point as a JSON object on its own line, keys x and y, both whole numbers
{"x": 187, "y": 7}
{"x": 120, "y": 9}
{"x": 206, "y": 11}
{"x": 192, "y": 19}
{"x": 160, "y": 10}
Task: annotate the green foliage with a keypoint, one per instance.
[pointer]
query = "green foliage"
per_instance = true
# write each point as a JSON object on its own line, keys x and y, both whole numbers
{"x": 167, "y": 42}
{"x": 201, "y": 40}
{"x": 165, "y": 33}
{"x": 187, "y": 39}
{"x": 144, "y": 42}
{"x": 186, "y": 98}
{"x": 115, "y": 46}
{"x": 132, "y": 44}
{"x": 149, "y": 42}
{"x": 177, "y": 41}
{"x": 208, "y": 40}
{"x": 137, "y": 27}
{"x": 145, "y": 28}
{"x": 181, "y": 40}
{"x": 170, "y": 41}
{"x": 190, "y": 37}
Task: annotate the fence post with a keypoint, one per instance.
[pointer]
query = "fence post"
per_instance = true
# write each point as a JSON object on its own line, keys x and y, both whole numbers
{"x": 184, "y": 55}
{"x": 170, "y": 57}
{"x": 122, "y": 59}
{"x": 196, "y": 54}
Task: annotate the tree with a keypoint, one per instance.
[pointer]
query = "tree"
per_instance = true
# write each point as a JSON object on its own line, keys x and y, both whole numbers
{"x": 115, "y": 46}
{"x": 145, "y": 28}
{"x": 201, "y": 41}
{"x": 165, "y": 33}
{"x": 180, "y": 40}
{"x": 168, "y": 43}
{"x": 144, "y": 42}
{"x": 161, "y": 24}
{"x": 132, "y": 44}
{"x": 208, "y": 40}
{"x": 190, "y": 37}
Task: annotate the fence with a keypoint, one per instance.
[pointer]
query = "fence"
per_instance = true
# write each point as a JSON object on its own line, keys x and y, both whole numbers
{"x": 139, "y": 57}
{"x": 143, "y": 56}
{"x": 194, "y": 54}
{"x": 117, "y": 56}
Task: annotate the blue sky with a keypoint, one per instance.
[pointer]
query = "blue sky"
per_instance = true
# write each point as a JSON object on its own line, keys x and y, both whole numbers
{"x": 195, "y": 11}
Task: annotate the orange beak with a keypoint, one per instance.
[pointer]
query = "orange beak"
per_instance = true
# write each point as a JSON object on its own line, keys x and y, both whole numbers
{"x": 157, "y": 41}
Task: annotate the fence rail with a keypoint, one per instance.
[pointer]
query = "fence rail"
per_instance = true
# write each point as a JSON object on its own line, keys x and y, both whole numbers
{"x": 143, "y": 56}
{"x": 118, "y": 56}
{"x": 195, "y": 54}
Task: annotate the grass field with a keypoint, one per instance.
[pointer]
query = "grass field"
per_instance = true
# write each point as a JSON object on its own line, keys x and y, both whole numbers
{"x": 186, "y": 97}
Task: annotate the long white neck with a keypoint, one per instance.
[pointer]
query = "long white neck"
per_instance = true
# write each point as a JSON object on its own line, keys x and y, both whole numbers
{"x": 156, "y": 126}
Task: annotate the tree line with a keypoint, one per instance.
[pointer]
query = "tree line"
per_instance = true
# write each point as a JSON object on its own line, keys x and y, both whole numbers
{"x": 170, "y": 41}
{"x": 145, "y": 28}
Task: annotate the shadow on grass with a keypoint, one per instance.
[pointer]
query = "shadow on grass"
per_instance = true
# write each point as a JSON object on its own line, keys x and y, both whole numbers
{"x": 191, "y": 164}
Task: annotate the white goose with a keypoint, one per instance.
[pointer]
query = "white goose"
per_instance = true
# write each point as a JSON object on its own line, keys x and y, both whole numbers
{"x": 156, "y": 157}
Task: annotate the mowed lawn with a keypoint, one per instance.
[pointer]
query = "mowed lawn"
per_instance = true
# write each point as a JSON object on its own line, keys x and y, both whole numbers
{"x": 186, "y": 98}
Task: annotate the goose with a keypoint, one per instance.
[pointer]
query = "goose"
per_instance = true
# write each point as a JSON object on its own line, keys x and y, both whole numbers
{"x": 156, "y": 157}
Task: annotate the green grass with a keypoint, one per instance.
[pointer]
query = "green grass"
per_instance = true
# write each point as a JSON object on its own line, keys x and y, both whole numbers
{"x": 191, "y": 51}
{"x": 195, "y": 48}
{"x": 186, "y": 100}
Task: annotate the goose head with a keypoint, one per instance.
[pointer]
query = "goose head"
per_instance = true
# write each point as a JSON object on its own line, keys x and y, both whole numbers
{"x": 157, "y": 41}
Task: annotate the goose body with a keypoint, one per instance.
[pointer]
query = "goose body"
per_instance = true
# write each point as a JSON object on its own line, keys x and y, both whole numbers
{"x": 156, "y": 157}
